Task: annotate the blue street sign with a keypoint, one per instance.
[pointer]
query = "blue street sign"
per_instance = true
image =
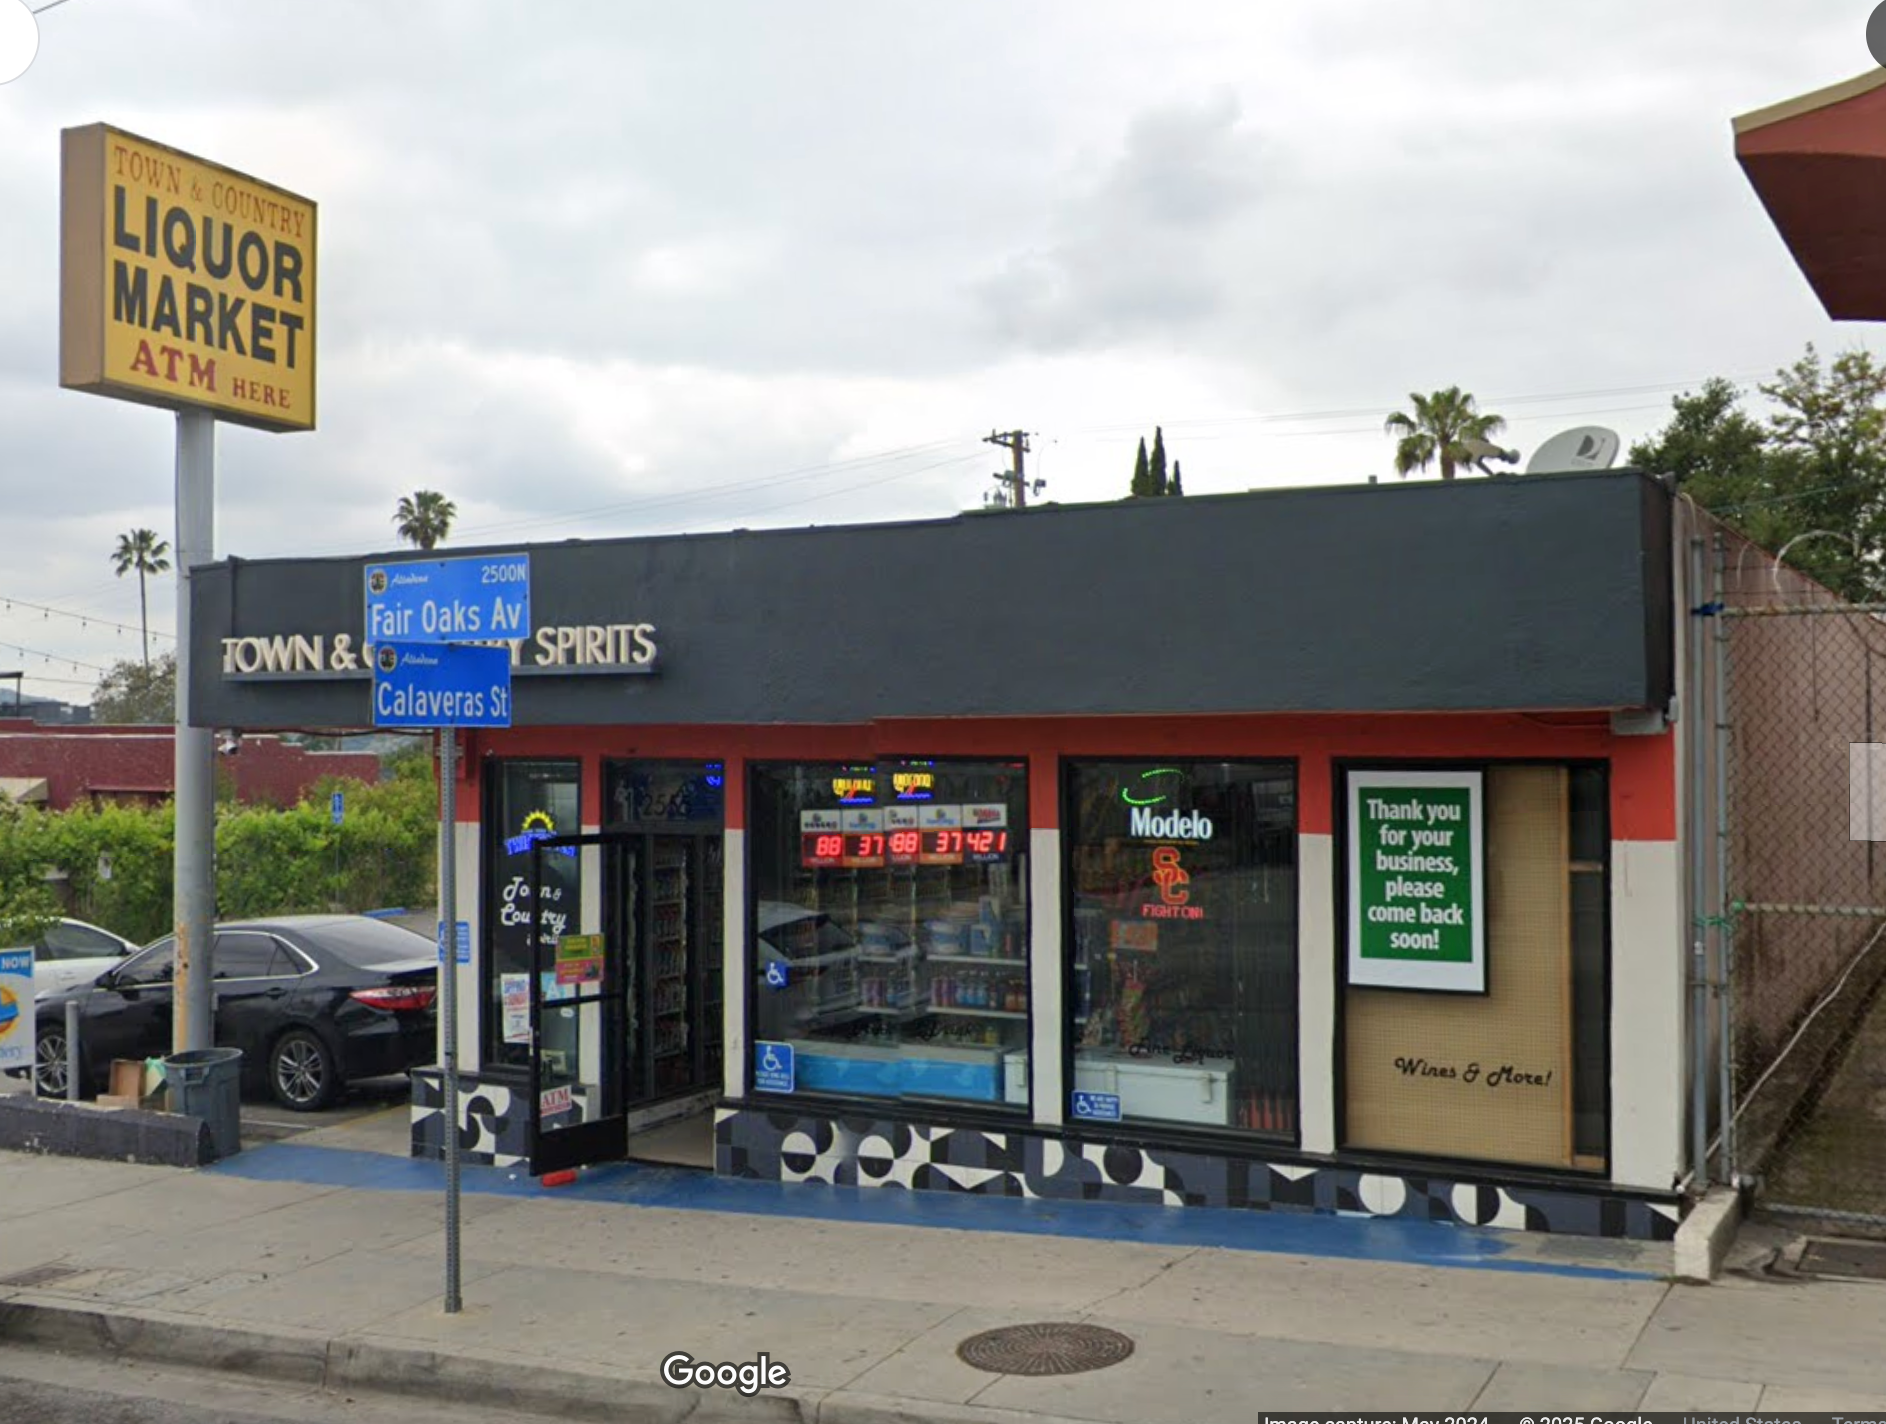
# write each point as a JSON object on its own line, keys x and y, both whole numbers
{"x": 1097, "y": 1107}
{"x": 337, "y": 807}
{"x": 775, "y": 975}
{"x": 772, "y": 1067}
{"x": 449, "y": 600}
{"x": 433, "y": 685}
{"x": 464, "y": 941}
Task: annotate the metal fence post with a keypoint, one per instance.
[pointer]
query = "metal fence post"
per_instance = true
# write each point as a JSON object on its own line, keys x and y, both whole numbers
{"x": 1699, "y": 892}
{"x": 1725, "y": 929}
{"x": 71, "y": 1050}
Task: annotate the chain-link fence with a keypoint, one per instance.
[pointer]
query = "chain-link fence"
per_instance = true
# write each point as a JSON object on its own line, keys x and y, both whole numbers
{"x": 1802, "y": 678}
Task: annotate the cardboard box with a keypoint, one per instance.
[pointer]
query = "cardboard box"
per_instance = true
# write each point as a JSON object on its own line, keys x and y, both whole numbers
{"x": 127, "y": 1079}
{"x": 117, "y": 1100}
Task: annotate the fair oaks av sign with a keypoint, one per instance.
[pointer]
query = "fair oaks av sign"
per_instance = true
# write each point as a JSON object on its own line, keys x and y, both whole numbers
{"x": 184, "y": 284}
{"x": 1417, "y": 887}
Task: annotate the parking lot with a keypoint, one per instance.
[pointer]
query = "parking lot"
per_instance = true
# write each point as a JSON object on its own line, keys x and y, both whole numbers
{"x": 264, "y": 1120}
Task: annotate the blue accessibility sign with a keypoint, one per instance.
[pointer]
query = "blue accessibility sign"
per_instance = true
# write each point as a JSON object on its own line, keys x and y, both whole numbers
{"x": 772, "y": 1068}
{"x": 1097, "y": 1107}
{"x": 464, "y": 942}
{"x": 431, "y": 685}
{"x": 449, "y": 600}
{"x": 776, "y": 975}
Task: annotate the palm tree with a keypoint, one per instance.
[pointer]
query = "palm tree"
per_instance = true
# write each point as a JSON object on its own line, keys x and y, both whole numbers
{"x": 142, "y": 550}
{"x": 424, "y": 517}
{"x": 1446, "y": 427}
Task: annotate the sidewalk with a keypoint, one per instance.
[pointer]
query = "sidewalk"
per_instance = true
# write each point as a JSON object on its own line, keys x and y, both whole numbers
{"x": 323, "y": 1259}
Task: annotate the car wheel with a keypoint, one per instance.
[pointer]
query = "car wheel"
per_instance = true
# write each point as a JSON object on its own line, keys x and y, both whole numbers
{"x": 49, "y": 1063}
{"x": 302, "y": 1073}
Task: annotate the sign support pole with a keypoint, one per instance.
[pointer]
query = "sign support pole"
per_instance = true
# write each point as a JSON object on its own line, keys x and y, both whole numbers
{"x": 448, "y": 997}
{"x": 195, "y": 854}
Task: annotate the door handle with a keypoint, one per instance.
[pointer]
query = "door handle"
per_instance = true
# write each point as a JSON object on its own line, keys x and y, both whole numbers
{"x": 276, "y": 993}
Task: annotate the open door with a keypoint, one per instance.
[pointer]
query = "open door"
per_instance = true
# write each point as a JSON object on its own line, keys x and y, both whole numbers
{"x": 579, "y": 993}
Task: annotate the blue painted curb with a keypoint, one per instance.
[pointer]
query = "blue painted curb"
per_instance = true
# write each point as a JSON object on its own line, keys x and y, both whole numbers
{"x": 1292, "y": 1233}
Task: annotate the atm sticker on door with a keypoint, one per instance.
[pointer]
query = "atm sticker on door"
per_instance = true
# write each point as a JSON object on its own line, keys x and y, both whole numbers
{"x": 552, "y": 1102}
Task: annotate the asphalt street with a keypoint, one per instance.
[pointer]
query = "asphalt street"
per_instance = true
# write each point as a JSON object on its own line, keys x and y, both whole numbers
{"x": 43, "y": 1387}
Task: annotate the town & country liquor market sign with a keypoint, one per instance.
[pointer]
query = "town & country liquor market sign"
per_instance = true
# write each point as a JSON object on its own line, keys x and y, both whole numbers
{"x": 184, "y": 284}
{"x": 1417, "y": 883}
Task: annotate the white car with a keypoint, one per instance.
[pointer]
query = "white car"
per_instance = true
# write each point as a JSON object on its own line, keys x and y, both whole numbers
{"x": 70, "y": 952}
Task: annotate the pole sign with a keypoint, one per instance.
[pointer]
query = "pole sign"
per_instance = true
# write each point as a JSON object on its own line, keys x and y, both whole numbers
{"x": 16, "y": 1008}
{"x": 184, "y": 284}
{"x": 462, "y": 940}
{"x": 441, "y": 685}
{"x": 1417, "y": 883}
{"x": 337, "y": 807}
{"x": 468, "y": 600}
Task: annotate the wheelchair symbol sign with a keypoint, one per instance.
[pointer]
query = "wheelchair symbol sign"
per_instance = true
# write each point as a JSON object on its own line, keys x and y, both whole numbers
{"x": 772, "y": 1068}
{"x": 776, "y": 975}
{"x": 1097, "y": 1107}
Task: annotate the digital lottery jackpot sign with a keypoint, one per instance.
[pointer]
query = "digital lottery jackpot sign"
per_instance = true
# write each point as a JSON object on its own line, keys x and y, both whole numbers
{"x": 878, "y": 837}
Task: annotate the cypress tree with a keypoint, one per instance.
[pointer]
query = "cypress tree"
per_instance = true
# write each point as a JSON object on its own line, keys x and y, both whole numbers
{"x": 1178, "y": 483}
{"x": 1141, "y": 478}
{"x": 1156, "y": 474}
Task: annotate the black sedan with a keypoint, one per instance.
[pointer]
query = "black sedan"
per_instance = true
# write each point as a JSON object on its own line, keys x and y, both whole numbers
{"x": 313, "y": 1001}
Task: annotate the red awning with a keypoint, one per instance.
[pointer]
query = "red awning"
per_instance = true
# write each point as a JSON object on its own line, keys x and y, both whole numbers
{"x": 1818, "y": 164}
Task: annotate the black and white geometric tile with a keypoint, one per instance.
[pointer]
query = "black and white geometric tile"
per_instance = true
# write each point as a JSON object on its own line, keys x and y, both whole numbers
{"x": 493, "y": 1119}
{"x": 868, "y": 1151}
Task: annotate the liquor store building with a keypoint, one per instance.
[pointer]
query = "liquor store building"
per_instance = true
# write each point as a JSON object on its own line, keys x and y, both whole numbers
{"x": 1310, "y": 849}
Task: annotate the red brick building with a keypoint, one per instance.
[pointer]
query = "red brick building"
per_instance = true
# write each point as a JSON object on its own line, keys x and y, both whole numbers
{"x": 61, "y": 767}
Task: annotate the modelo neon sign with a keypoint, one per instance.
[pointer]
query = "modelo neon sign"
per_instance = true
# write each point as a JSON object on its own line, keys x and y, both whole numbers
{"x": 1145, "y": 824}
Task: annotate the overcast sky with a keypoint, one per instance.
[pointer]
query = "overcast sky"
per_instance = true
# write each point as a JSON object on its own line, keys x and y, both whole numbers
{"x": 599, "y": 267}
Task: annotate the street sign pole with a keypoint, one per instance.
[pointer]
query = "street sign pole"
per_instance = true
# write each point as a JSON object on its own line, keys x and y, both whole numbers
{"x": 194, "y": 855}
{"x": 448, "y": 997}
{"x": 436, "y": 636}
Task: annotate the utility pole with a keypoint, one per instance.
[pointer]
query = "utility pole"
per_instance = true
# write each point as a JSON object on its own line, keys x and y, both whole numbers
{"x": 1015, "y": 482}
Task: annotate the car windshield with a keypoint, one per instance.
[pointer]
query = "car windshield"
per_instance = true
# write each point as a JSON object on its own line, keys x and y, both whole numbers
{"x": 368, "y": 942}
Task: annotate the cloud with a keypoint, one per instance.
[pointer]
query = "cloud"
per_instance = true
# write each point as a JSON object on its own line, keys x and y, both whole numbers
{"x": 594, "y": 268}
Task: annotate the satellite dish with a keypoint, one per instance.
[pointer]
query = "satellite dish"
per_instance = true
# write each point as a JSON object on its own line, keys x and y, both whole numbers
{"x": 1587, "y": 447}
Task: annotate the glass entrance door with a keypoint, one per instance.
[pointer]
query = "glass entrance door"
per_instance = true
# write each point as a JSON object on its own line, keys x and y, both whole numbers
{"x": 579, "y": 1024}
{"x": 669, "y": 896}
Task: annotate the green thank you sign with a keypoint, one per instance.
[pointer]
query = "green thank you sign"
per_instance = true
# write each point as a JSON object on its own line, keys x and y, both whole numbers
{"x": 1417, "y": 891}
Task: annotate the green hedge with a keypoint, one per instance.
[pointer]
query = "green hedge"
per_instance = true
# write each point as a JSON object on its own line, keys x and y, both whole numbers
{"x": 117, "y": 860}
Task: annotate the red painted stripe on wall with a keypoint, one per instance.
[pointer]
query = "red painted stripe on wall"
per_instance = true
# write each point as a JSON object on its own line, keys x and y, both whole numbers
{"x": 1643, "y": 769}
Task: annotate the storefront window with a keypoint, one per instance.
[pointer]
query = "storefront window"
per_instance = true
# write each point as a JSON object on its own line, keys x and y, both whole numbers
{"x": 525, "y": 801}
{"x": 890, "y": 930}
{"x": 1183, "y": 1002}
{"x": 1474, "y": 1021}
{"x": 666, "y": 792}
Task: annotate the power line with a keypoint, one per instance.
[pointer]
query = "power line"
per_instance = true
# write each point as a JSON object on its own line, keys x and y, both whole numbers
{"x": 42, "y": 677}
{"x": 74, "y": 663}
{"x": 1372, "y": 411}
{"x": 869, "y": 484}
{"x": 684, "y": 497}
{"x": 46, "y": 608}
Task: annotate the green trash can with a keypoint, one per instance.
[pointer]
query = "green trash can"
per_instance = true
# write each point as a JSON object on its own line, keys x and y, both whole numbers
{"x": 207, "y": 1083}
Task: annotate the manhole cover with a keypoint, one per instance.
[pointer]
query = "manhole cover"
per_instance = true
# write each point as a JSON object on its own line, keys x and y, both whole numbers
{"x": 1865, "y": 1259}
{"x": 39, "y": 1276}
{"x": 1047, "y": 1349}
